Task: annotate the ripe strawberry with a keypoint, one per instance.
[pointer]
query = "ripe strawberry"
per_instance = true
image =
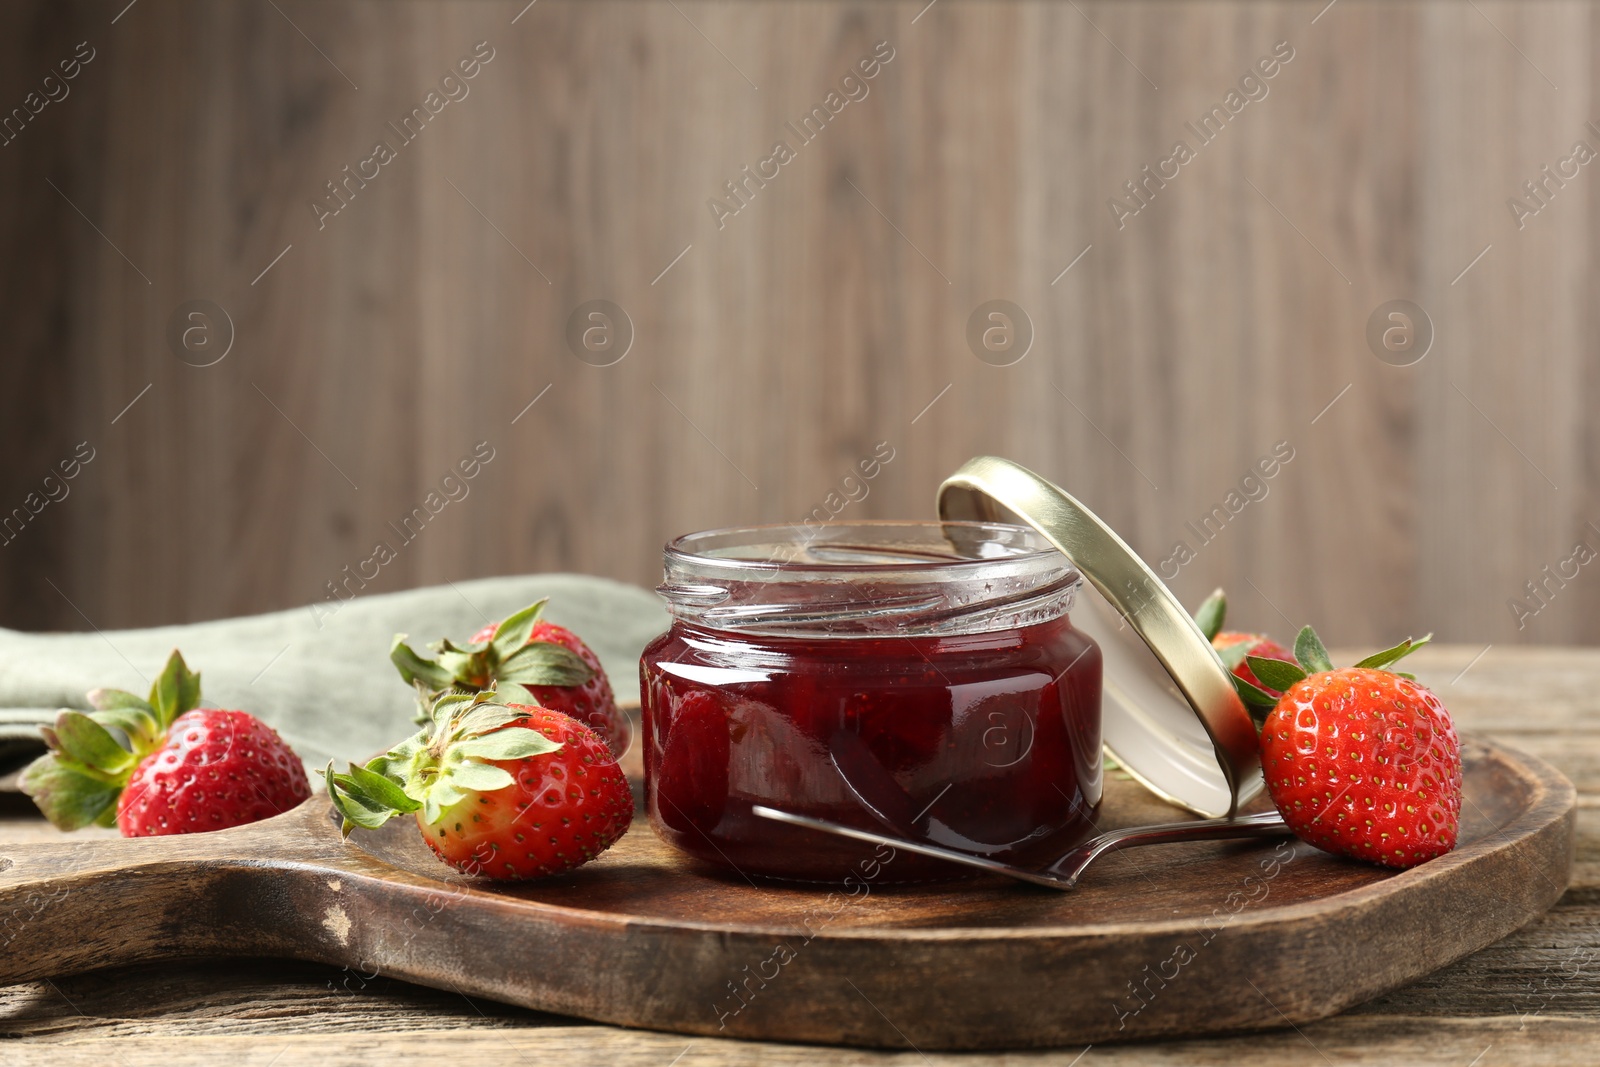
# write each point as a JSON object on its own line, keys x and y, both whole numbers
{"x": 502, "y": 791}
{"x": 216, "y": 769}
{"x": 591, "y": 703}
{"x": 162, "y": 765}
{"x": 557, "y": 670}
{"x": 1361, "y": 761}
{"x": 1235, "y": 648}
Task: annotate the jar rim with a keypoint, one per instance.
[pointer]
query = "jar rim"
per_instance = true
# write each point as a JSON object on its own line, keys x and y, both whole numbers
{"x": 679, "y": 549}
{"x": 869, "y": 576}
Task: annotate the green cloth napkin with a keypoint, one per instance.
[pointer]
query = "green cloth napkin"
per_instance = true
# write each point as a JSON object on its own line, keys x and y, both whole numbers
{"x": 324, "y": 681}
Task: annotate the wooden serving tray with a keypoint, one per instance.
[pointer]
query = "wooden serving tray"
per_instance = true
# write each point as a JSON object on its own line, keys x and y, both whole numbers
{"x": 1164, "y": 941}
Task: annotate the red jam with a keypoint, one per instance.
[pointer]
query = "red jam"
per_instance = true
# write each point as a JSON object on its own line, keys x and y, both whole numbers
{"x": 986, "y": 741}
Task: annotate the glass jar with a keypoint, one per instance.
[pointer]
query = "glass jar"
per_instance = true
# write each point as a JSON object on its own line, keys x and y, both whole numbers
{"x": 916, "y": 678}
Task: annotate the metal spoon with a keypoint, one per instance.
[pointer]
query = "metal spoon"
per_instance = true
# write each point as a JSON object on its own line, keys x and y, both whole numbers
{"x": 1064, "y": 872}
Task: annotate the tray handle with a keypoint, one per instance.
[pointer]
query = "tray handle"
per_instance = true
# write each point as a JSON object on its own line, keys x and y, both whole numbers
{"x": 78, "y": 905}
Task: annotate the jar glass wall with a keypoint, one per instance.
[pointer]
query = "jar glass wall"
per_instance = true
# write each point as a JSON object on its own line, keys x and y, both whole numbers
{"x": 919, "y": 679}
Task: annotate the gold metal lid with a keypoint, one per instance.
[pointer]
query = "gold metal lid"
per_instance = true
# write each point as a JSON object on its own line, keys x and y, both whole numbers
{"x": 1171, "y": 716}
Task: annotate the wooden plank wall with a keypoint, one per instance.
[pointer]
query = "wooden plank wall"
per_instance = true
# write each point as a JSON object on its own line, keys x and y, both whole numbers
{"x": 824, "y": 317}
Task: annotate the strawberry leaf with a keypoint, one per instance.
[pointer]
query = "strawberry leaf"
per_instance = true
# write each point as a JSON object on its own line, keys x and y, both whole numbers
{"x": 413, "y": 668}
{"x": 137, "y": 724}
{"x": 483, "y": 719}
{"x": 175, "y": 692}
{"x": 425, "y": 696}
{"x": 513, "y": 693}
{"x": 463, "y": 666}
{"x": 1311, "y": 653}
{"x": 514, "y": 631}
{"x": 381, "y": 789}
{"x": 69, "y": 794}
{"x": 454, "y": 705}
{"x": 112, "y": 699}
{"x": 83, "y": 739}
{"x": 366, "y": 799}
{"x": 444, "y": 644}
{"x": 477, "y": 777}
{"x": 544, "y": 663}
{"x": 1275, "y": 673}
{"x": 399, "y": 760}
{"x": 513, "y": 743}
{"x": 1211, "y": 613}
{"x": 1234, "y": 654}
{"x": 444, "y": 793}
{"x": 1381, "y": 660}
{"x": 353, "y": 810}
{"x": 1252, "y": 696}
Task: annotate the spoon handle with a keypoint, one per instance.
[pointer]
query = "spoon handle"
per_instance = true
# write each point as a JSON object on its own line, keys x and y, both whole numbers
{"x": 1072, "y": 865}
{"x": 966, "y": 859}
{"x": 1064, "y": 873}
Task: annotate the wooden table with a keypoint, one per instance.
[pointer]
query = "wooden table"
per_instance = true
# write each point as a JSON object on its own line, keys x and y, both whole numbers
{"x": 1533, "y": 998}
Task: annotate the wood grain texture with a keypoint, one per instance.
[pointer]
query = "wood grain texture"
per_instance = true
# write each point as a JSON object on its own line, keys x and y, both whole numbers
{"x": 1532, "y": 996}
{"x": 824, "y": 317}
{"x": 1444, "y": 1043}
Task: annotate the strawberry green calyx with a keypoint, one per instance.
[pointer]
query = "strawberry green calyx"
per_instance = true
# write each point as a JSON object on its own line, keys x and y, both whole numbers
{"x": 1235, "y": 654}
{"x": 507, "y": 659}
{"x": 92, "y": 754}
{"x": 1209, "y": 616}
{"x": 449, "y": 760}
{"x": 1381, "y": 660}
{"x": 1312, "y": 657}
{"x": 1277, "y": 673}
{"x": 1311, "y": 652}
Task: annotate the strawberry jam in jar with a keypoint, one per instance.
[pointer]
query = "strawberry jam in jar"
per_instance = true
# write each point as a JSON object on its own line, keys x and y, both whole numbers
{"x": 916, "y": 679}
